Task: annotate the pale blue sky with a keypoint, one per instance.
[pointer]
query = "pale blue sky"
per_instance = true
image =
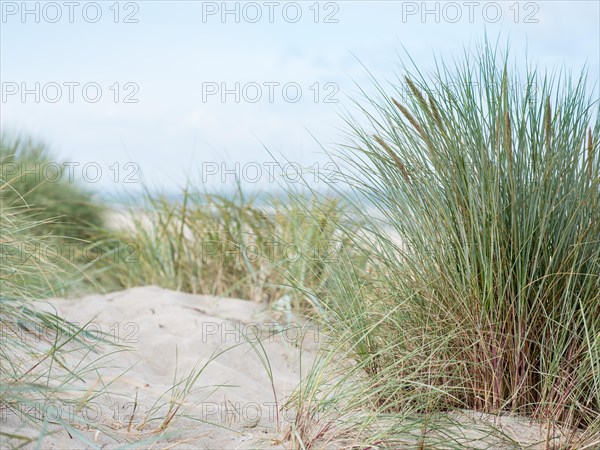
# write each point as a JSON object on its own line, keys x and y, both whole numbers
{"x": 174, "y": 48}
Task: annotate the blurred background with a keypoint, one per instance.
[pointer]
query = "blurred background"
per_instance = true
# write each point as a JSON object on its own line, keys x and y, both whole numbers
{"x": 156, "y": 91}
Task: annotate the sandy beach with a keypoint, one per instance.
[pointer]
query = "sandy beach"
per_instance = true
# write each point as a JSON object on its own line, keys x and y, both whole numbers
{"x": 170, "y": 335}
{"x": 248, "y": 361}
{"x": 300, "y": 226}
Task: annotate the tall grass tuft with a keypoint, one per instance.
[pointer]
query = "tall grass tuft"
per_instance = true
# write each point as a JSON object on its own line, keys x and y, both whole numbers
{"x": 48, "y": 193}
{"x": 483, "y": 229}
{"x": 229, "y": 246}
{"x": 53, "y": 373}
{"x": 35, "y": 341}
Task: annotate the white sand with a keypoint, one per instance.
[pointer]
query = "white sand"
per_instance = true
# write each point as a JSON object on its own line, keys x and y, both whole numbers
{"x": 231, "y": 405}
{"x": 160, "y": 324}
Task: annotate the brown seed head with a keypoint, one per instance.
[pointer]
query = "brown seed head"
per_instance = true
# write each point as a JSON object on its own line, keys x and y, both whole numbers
{"x": 547, "y": 122}
{"x": 394, "y": 157}
{"x": 590, "y": 155}
{"x": 409, "y": 117}
{"x": 436, "y": 114}
{"x": 416, "y": 92}
{"x": 508, "y": 137}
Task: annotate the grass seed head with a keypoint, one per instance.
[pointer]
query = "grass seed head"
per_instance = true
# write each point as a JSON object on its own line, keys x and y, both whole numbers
{"x": 394, "y": 157}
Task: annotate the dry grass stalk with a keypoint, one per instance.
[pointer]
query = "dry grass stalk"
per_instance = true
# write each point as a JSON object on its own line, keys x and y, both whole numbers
{"x": 416, "y": 92}
{"x": 508, "y": 139}
{"x": 547, "y": 122}
{"x": 412, "y": 121}
{"x": 436, "y": 115}
{"x": 590, "y": 153}
{"x": 394, "y": 157}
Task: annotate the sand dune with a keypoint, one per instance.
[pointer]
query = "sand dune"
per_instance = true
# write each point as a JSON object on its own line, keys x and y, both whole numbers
{"x": 231, "y": 405}
{"x": 235, "y": 346}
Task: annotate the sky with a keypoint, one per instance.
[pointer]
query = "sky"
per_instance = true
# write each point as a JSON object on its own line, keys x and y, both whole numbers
{"x": 154, "y": 92}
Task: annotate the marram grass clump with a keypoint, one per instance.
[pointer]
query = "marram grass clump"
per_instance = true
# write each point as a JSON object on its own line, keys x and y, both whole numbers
{"x": 47, "y": 192}
{"x": 230, "y": 246}
{"x": 484, "y": 292}
{"x": 35, "y": 342}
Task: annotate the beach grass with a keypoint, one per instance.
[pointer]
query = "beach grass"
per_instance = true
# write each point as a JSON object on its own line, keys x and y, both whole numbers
{"x": 230, "y": 246}
{"x": 43, "y": 185}
{"x": 483, "y": 292}
{"x": 35, "y": 385}
{"x": 48, "y": 364}
{"x": 454, "y": 272}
